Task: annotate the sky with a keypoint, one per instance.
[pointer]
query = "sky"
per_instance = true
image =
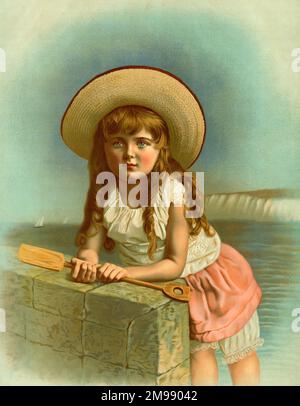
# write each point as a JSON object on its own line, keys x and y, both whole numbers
{"x": 236, "y": 56}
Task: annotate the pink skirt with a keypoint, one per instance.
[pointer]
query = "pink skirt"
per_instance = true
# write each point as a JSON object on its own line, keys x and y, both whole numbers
{"x": 223, "y": 297}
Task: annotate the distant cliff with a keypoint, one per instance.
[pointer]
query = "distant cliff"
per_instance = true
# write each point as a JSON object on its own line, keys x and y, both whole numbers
{"x": 259, "y": 205}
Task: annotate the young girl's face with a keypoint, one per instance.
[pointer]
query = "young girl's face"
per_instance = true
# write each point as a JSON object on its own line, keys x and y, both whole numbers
{"x": 138, "y": 150}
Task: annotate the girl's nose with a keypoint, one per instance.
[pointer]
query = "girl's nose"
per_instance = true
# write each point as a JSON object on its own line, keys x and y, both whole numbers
{"x": 129, "y": 153}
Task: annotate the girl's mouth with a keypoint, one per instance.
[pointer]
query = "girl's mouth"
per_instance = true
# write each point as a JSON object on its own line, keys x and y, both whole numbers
{"x": 130, "y": 166}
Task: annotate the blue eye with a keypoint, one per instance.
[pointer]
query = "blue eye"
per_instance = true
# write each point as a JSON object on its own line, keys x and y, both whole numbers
{"x": 142, "y": 144}
{"x": 117, "y": 144}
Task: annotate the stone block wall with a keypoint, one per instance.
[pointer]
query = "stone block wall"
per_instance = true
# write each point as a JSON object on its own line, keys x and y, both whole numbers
{"x": 62, "y": 332}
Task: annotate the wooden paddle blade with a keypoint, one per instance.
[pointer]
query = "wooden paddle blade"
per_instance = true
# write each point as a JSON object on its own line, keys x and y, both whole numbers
{"x": 41, "y": 257}
{"x": 177, "y": 291}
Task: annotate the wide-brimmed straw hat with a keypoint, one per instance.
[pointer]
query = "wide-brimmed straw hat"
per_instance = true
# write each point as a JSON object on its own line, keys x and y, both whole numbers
{"x": 145, "y": 86}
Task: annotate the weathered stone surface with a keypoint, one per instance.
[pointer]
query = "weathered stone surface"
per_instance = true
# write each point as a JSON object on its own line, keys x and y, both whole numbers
{"x": 176, "y": 376}
{"x": 109, "y": 334}
{"x": 15, "y": 315}
{"x": 117, "y": 304}
{"x": 173, "y": 333}
{"x": 60, "y": 333}
{"x": 57, "y": 293}
{"x": 18, "y": 285}
{"x": 96, "y": 373}
{"x": 12, "y": 359}
{"x": 140, "y": 378}
{"x": 27, "y": 363}
{"x": 159, "y": 340}
{"x": 104, "y": 343}
{"x": 49, "y": 367}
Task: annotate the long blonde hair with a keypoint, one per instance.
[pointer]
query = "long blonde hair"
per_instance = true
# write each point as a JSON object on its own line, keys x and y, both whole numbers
{"x": 130, "y": 120}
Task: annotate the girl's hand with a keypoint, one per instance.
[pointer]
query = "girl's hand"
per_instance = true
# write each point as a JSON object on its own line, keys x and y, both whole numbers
{"x": 111, "y": 273}
{"x": 83, "y": 271}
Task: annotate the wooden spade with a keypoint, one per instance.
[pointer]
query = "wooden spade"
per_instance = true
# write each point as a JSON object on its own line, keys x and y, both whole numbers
{"x": 55, "y": 261}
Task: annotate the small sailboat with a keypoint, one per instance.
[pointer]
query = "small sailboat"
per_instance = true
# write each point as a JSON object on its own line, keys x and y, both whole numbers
{"x": 65, "y": 220}
{"x": 40, "y": 222}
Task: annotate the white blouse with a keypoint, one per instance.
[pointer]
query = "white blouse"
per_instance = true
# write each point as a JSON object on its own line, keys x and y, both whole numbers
{"x": 125, "y": 226}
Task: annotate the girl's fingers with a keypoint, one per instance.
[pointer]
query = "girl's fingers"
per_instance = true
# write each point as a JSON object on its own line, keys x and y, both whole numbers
{"x": 108, "y": 270}
{"x": 104, "y": 271}
{"x": 80, "y": 275}
{"x": 101, "y": 270}
{"x": 83, "y": 271}
{"x": 88, "y": 273}
{"x": 113, "y": 274}
{"x": 76, "y": 270}
{"x": 74, "y": 260}
{"x": 104, "y": 267}
{"x": 99, "y": 275}
{"x": 105, "y": 274}
{"x": 93, "y": 274}
{"x": 121, "y": 274}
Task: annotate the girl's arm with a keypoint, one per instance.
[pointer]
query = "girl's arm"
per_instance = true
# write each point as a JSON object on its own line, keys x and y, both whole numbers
{"x": 90, "y": 250}
{"x": 173, "y": 264}
{"x": 84, "y": 264}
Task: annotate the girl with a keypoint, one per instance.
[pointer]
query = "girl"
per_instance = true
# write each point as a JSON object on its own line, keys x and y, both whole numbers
{"x": 150, "y": 121}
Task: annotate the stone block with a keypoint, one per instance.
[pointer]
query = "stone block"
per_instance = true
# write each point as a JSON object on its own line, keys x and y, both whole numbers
{"x": 12, "y": 359}
{"x": 180, "y": 375}
{"x": 26, "y": 363}
{"x": 18, "y": 285}
{"x": 117, "y": 304}
{"x": 15, "y": 315}
{"x": 47, "y": 366}
{"x": 107, "y": 345}
{"x": 57, "y": 293}
{"x": 102, "y": 374}
{"x": 103, "y": 334}
{"x": 159, "y": 340}
{"x": 60, "y": 333}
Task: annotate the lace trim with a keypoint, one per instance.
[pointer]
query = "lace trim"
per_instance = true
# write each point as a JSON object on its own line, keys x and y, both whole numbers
{"x": 199, "y": 346}
{"x": 239, "y": 355}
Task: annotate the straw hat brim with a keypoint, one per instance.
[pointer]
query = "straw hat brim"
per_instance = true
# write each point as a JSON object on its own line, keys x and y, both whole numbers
{"x": 146, "y": 86}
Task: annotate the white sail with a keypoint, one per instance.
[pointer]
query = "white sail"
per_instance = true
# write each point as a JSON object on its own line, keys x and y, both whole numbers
{"x": 40, "y": 222}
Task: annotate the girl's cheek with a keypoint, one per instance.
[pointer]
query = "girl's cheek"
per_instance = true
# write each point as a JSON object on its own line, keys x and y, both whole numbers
{"x": 147, "y": 159}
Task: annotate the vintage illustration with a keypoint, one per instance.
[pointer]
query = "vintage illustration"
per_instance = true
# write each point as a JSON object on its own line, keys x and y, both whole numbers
{"x": 150, "y": 193}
